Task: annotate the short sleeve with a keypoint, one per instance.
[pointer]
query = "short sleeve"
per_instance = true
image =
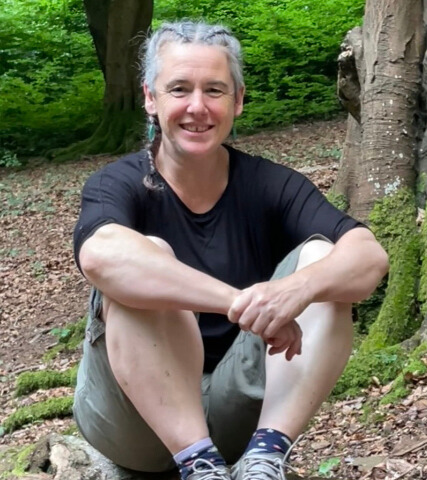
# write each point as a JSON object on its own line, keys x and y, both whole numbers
{"x": 304, "y": 211}
{"x": 109, "y": 196}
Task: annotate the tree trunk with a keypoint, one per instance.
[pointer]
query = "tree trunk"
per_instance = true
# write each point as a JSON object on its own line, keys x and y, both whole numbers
{"x": 118, "y": 28}
{"x": 380, "y": 84}
{"x": 387, "y": 68}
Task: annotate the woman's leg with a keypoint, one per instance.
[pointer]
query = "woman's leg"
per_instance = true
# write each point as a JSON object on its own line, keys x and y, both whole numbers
{"x": 157, "y": 359}
{"x": 295, "y": 389}
{"x": 139, "y": 383}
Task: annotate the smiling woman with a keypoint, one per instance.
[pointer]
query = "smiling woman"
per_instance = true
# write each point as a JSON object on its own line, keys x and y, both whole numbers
{"x": 195, "y": 101}
{"x": 222, "y": 283}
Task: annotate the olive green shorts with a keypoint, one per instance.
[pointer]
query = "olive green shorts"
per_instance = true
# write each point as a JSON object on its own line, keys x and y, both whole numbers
{"x": 232, "y": 397}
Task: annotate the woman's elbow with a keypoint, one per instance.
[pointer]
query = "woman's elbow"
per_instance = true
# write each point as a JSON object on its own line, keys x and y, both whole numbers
{"x": 90, "y": 259}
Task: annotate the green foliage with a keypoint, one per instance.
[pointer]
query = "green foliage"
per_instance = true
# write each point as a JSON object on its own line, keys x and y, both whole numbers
{"x": 51, "y": 408}
{"x": 415, "y": 366}
{"x": 69, "y": 338}
{"x": 50, "y": 84}
{"x": 385, "y": 364}
{"x": 29, "y": 382}
{"x": 327, "y": 466}
{"x": 338, "y": 200}
{"x": 9, "y": 159}
{"x": 290, "y": 50}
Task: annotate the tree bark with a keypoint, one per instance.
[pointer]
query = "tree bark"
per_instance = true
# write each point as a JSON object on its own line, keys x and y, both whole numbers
{"x": 118, "y": 28}
{"x": 390, "y": 82}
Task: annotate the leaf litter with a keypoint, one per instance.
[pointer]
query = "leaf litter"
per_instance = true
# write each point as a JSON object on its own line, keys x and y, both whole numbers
{"x": 41, "y": 292}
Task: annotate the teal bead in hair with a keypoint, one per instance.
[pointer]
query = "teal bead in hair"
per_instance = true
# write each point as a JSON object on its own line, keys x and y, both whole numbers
{"x": 151, "y": 131}
{"x": 234, "y": 132}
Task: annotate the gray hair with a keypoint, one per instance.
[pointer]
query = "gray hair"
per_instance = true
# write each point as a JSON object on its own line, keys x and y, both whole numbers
{"x": 192, "y": 32}
{"x": 198, "y": 33}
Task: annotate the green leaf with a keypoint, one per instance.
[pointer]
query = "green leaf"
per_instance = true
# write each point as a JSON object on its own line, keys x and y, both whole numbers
{"x": 327, "y": 466}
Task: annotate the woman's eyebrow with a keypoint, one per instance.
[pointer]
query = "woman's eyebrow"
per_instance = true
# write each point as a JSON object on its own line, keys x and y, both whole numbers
{"x": 176, "y": 81}
{"x": 217, "y": 83}
{"x": 181, "y": 81}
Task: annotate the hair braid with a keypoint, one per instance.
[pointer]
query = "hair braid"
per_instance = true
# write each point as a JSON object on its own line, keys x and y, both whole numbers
{"x": 152, "y": 147}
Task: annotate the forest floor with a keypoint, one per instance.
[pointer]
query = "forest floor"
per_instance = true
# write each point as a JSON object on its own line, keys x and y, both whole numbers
{"x": 41, "y": 290}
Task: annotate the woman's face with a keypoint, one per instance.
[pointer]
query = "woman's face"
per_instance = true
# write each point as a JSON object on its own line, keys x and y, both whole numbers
{"x": 194, "y": 99}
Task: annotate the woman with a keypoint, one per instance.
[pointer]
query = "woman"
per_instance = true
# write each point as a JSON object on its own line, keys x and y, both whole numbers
{"x": 190, "y": 225}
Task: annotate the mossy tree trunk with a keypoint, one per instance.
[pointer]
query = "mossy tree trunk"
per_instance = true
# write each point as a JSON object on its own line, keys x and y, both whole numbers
{"x": 118, "y": 27}
{"x": 381, "y": 85}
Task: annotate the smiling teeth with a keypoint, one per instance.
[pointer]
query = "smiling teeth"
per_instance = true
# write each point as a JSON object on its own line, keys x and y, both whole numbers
{"x": 196, "y": 129}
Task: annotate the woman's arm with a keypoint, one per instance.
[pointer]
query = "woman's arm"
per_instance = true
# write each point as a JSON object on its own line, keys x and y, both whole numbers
{"x": 349, "y": 273}
{"x": 132, "y": 270}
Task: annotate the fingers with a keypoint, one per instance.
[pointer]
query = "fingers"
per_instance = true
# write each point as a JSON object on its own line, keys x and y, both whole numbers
{"x": 240, "y": 304}
{"x": 289, "y": 340}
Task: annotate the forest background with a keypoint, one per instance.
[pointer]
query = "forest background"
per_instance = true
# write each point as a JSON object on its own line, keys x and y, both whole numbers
{"x": 52, "y": 87}
{"x": 52, "y": 97}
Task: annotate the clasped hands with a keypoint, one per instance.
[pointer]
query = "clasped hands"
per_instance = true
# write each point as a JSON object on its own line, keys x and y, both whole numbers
{"x": 269, "y": 310}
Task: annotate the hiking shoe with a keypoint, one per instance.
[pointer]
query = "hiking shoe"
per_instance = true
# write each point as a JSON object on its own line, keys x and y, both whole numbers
{"x": 204, "y": 470}
{"x": 260, "y": 466}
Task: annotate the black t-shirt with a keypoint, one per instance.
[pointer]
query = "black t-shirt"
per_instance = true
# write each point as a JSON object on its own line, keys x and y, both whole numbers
{"x": 265, "y": 211}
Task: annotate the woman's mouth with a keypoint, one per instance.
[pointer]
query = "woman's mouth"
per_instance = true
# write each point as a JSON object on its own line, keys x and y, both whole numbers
{"x": 196, "y": 128}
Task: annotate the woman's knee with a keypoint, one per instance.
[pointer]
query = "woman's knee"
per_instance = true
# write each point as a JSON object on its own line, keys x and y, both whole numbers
{"x": 163, "y": 244}
{"x": 313, "y": 251}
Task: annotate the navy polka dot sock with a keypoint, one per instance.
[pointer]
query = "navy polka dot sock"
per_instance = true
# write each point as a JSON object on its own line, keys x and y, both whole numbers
{"x": 203, "y": 449}
{"x": 267, "y": 440}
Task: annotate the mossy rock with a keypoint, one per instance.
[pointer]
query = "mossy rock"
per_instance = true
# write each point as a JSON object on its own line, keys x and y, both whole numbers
{"x": 414, "y": 367}
{"x": 14, "y": 461}
{"x": 385, "y": 364}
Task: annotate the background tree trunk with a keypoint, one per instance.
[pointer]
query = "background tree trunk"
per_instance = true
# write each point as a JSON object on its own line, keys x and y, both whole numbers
{"x": 386, "y": 56}
{"x": 118, "y": 28}
{"x": 380, "y": 84}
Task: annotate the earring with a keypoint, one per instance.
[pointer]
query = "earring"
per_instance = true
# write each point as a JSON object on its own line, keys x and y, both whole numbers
{"x": 234, "y": 132}
{"x": 151, "y": 130}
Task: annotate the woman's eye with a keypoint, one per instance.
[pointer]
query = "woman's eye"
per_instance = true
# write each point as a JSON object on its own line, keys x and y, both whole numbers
{"x": 215, "y": 92}
{"x": 178, "y": 91}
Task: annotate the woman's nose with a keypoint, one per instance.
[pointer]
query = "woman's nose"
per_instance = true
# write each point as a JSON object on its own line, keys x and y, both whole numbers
{"x": 197, "y": 103}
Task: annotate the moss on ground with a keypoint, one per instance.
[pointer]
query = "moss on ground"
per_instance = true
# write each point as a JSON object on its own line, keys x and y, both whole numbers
{"x": 393, "y": 222}
{"x": 29, "y": 382}
{"x": 51, "y": 408}
{"x": 70, "y": 338}
{"x": 385, "y": 364}
{"x": 414, "y": 367}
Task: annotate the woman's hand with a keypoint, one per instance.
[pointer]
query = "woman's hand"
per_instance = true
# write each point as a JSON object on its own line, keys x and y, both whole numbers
{"x": 269, "y": 310}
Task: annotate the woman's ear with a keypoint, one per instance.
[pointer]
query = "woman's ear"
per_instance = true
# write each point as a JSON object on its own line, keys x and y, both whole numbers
{"x": 238, "y": 106}
{"x": 150, "y": 101}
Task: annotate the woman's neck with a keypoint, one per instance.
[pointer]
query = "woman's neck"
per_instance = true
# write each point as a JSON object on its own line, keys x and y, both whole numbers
{"x": 198, "y": 182}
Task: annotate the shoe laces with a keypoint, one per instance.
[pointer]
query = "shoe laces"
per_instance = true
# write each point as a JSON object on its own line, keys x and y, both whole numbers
{"x": 205, "y": 470}
{"x": 263, "y": 467}
{"x": 270, "y": 467}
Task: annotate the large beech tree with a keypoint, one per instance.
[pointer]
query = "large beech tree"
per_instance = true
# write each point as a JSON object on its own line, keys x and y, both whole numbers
{"x": 382, "y": 177}
{"x": 118, "y": 27}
